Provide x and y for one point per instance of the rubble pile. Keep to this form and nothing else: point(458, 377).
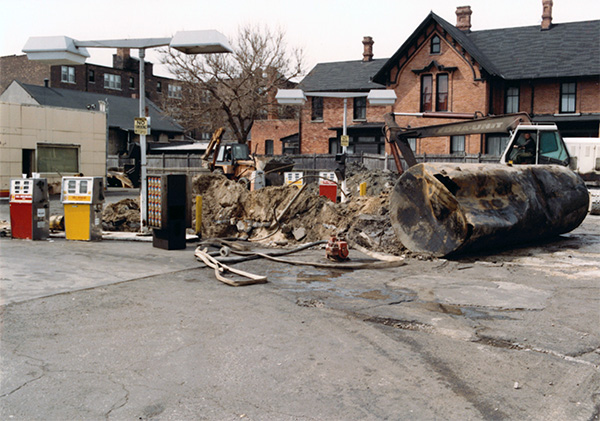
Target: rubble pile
point(378, 181)
point(229, 210)
point(283, 215)
point(122, 216)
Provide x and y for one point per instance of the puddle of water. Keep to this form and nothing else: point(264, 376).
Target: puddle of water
point(372, 295)
point(326, 276)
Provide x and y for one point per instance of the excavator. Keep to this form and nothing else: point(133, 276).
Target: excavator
point(445, 209)
point(234, 160)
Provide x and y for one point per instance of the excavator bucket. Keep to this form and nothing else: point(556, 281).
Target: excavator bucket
point(444, 209)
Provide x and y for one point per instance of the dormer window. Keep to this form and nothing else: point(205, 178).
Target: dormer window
point(435, 46)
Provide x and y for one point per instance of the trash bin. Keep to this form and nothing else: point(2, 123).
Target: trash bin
point(82, 199)
point(29, 208)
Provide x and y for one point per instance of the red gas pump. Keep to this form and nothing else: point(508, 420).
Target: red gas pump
point(29, 208)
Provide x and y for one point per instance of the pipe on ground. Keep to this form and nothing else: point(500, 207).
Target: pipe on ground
point(444, 209)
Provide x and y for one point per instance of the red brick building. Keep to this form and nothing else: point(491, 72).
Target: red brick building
point(551, 71)
point(120, 80)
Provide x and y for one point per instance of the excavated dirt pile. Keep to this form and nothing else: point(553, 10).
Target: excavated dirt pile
point(229, 210)
point(122, 216)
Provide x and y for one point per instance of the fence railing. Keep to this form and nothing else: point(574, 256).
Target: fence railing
point(191, 163)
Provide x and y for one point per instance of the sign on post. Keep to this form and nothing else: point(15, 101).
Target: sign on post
point(140, 125)
point(345, 141)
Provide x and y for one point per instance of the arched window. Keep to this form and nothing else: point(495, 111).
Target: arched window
point(435, 46)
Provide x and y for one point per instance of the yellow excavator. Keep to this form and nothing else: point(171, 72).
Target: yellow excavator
point(235, 162)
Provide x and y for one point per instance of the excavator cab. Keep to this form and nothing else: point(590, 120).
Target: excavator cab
point(536, 145)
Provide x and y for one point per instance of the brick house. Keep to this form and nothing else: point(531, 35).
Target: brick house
point(122, 79)
point(550, 71)
point(319, 126)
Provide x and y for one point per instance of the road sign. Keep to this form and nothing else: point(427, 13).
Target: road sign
point(345, 141)
point(140, 126)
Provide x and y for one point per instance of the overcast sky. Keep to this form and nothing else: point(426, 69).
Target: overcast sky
point(327, 30)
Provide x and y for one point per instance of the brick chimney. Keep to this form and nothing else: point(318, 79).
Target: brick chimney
point(546, 14)
point(463, 18)
point(122, 58)
point(368, 48)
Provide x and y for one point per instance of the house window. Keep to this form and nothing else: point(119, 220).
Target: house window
point(457, 145)
point(67, 74)
point(91, 76)
point(412, 142)
point(316, 108)
point(360, 108)
point(269, 147)
point(441, 101)
point(366, 144)
point(426, 92)
point(511, 103)
point(112, 81)
point(158, 86)
point(57, 159)
point(131, 83)
point(567, 97)
point(435, 45)
point(290, 145)
point(334, 146)
point(174, 91)
point(495, 145)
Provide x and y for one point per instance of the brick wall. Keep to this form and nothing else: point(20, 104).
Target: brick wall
point(466, 94)
point(34, 73)
point(23, 70)
point(273, 130)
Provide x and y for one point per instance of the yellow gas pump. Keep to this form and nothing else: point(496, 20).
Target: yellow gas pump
point(82, 199)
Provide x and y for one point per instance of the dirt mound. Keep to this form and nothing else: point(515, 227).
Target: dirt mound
point(378, 181)
point(122, 216)
point(283, 215)
point(229, 210)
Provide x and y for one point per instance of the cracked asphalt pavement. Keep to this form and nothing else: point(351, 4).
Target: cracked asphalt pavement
point(120, 331)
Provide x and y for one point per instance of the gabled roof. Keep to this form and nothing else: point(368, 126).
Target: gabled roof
point(564, 50)
point(121, 110)
point(342, 76)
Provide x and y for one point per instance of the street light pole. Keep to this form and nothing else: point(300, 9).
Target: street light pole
point(344, 149)
point(61, 50)
point(143, 160)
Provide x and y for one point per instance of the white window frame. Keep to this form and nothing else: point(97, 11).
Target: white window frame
point(112, 81)
point(67, 74)
point(174, 91)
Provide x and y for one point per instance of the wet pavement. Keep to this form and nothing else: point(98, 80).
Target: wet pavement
point(122, 330)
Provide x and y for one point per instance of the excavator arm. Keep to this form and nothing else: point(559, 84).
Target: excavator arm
point(398, 136)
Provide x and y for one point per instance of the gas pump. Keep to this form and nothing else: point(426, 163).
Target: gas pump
point(29, 208)
point(168, 211)
point(82, 198)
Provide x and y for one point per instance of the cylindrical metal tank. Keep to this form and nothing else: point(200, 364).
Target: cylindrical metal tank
point(442, 208)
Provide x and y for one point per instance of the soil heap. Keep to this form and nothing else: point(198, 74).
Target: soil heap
point(229, 210)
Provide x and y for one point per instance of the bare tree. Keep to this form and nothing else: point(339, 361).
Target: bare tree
point(233, 90)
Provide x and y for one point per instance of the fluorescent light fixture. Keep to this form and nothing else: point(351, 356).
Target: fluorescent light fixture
point(200, 42)
point(381, 97)
point(58, 50)
point(290, 97)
